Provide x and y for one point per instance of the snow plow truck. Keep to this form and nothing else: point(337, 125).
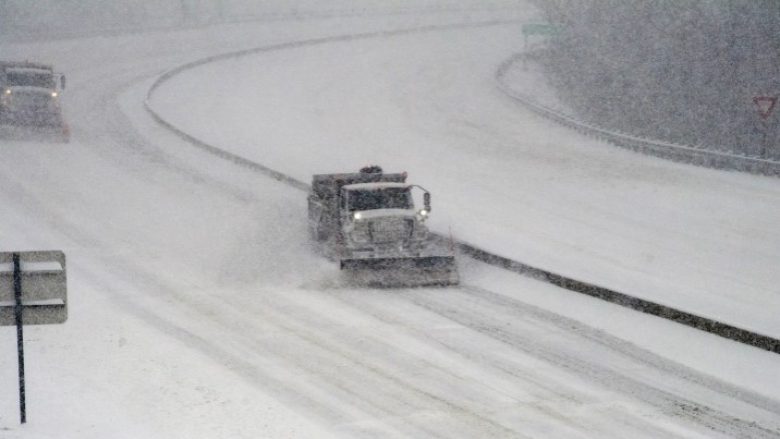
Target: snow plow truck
point(30, 102)
point(367, 220)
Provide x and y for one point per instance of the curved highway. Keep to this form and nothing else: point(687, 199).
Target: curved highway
point(198, 308)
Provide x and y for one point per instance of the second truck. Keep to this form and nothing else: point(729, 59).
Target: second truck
point(30, 102)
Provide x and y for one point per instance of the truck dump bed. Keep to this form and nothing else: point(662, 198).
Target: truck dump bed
point(326, 186)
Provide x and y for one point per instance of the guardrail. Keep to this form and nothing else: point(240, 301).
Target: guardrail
point(667, 150)
point(702, 323)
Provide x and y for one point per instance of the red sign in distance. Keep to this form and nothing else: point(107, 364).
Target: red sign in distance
point(765, 104)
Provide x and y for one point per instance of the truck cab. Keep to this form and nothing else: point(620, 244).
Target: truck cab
point(382, 213)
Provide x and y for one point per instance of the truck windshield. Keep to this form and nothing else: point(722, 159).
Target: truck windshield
point(30, 79)
point(388, 198)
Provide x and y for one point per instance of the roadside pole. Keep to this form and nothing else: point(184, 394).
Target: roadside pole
point(764, 146)
point(19, 333)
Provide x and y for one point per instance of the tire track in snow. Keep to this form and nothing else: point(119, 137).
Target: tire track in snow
point(669, 401)
point(475, 359)
point(519, 325)
point(335, 354)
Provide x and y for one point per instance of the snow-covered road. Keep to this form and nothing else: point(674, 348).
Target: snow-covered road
point(691, 238)
point(199, 310)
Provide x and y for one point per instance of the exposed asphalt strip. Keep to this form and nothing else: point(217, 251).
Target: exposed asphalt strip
point(702, 323)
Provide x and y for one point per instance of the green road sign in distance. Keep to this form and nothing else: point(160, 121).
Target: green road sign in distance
point(544, 29)
point(44, 288)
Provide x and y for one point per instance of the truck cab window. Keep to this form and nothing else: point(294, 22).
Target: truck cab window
point(28, 79)
point(392, 198)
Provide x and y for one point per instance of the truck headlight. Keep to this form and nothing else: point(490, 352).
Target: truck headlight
point(8, 91)
point(357, 216)
point(54, 94)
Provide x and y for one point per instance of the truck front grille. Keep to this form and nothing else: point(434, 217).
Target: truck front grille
point(385, 230)
point(31, 101)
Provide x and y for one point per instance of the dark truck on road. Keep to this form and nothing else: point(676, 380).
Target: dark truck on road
point(369, 222)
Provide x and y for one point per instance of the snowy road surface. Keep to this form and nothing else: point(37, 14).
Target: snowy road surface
point(427, 103)
point(199, 310)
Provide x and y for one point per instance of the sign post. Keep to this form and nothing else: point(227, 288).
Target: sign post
point(18, 309)
point(33, 291)
point(766, 105)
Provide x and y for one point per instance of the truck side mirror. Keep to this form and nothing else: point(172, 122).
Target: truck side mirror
point(427, 201)
point(62, 82)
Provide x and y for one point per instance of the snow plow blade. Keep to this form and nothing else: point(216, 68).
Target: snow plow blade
point(403, 271)
point(29, 133)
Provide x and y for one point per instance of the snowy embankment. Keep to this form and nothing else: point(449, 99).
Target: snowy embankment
point(520, 78)
point(695, 239)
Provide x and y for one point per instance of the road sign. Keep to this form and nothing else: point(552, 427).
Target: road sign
point(43, 285)
point(765, 104)
point(33, 290)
